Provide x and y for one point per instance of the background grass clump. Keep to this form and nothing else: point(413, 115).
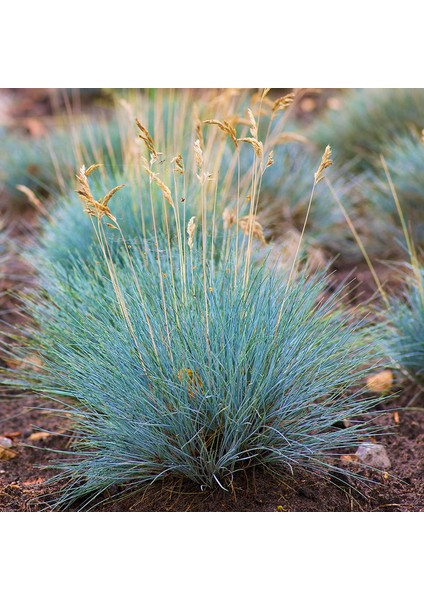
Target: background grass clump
point(404, 162)
point(404, 337)
point(366, 123)
point(279, 171)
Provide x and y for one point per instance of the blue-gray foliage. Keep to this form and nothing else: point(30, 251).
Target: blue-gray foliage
point(197, 388)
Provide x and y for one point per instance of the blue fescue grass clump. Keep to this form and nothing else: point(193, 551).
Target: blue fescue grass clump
point(23, 161)
point(404, 336)
point(188, 368)
point(404, 159)
point(367, 121)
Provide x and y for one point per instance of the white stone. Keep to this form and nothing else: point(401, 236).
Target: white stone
point(374, 455)
point(5, 442)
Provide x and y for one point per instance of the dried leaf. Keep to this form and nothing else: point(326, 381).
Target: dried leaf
point(35, 481)
point(349, 458)
point(39, 435)
point(12, 434)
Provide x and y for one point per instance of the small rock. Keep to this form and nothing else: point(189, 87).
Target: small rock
point(5, 442)
point(380, 382)
point(374, 455)
point(6, 453)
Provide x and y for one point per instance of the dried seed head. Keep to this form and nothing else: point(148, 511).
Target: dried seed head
point(32, 198)
point(290, 136)
point(198, 153)
point(191, 228)
point(91, 169)
point(112, 193)
point(198, 126)
point(252, 123)
point(164, 188)
point(147, 139)
point(260, 99)
point(257, 146)
point(250, 226)
point(283, 102)
point(179, 164)
point(270, 160)
point(226, 127)
point(229, 217)
point(93, 207)
point(325, 163)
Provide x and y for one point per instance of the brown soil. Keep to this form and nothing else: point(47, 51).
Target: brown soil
point(23, 484)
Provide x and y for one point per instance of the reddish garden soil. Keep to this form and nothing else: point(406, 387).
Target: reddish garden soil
point(23, 484)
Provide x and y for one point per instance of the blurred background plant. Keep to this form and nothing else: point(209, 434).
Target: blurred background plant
point(365, 122)
point(401, 173)
point(404, 336)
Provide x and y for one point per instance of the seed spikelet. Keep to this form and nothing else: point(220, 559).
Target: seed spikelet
point(325, 163)
point(191, 228)
point(250, 226)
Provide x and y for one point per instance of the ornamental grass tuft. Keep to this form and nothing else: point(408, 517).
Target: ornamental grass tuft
point(183, 361)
